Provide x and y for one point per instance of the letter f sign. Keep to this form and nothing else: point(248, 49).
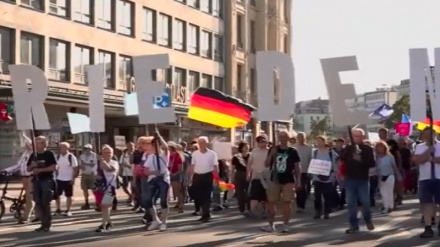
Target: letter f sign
point(422, 80)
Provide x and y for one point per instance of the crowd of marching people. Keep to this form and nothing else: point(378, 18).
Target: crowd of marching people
point(266, 177)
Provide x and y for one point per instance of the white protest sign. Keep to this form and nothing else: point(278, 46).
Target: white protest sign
point(339, 93)
point(266, 63)
point(120, 142)
point(373, 137)
point(95, 78)
point(320, 167)
point(29, 104)
point(79, 123)
point(223, 150)
point(422, 79)
point(149, 89)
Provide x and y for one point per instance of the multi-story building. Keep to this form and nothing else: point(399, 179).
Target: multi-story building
point(251, 26)
point(402, 89)
point(60, 37)
point(308, 113)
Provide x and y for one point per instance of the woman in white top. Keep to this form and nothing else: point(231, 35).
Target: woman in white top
point(109, 170)
point(26, 180)
point(158, 177)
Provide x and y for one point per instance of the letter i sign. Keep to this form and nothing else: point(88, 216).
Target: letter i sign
point(4, 113)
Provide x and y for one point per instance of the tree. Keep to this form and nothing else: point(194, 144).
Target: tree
point(402, 106)
point(319, 127)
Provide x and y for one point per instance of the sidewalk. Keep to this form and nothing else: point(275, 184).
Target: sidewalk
point(78, 198)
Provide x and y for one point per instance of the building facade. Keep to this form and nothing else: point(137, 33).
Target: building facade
point(309, 113)
point(61, 37)
point(251, 26)
point(403, 88)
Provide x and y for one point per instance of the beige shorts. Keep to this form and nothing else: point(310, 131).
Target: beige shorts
point(87, 182)
point(280, 192)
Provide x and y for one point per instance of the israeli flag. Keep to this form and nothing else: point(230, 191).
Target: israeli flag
point(383, 111)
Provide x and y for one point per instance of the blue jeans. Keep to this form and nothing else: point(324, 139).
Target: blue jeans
point(357, 190)
point(157, 188)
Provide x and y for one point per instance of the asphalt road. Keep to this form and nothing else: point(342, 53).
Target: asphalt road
point(228, 229)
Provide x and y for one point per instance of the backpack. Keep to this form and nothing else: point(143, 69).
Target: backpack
point(330, 154)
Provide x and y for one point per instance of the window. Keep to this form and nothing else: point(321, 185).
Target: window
point(179, 31)
point(218, 48)
point(125, 17)
point(164, 30)
point(179, 77)
point(149, 27)
point(217, 8)
point(286, 44)
point(125, 71)
point(32, 49)
point(58, 57)
point(82, 11)
point(35, 4)
point(59, 7)
point(193, 39)
point(205, 6)
point(81, 56)
point(167, 75)
point(107, 59)
point(252, 36)
point(218, 84)
point(206, 81)
point(286, 11)
point(193, 81)
point(180, 1)
point(193, 3)
point(239, 31)
point(6, 49)
point(239, 78)
point(253, 3)
point(206, 44)
point(253, 82)
point(104, 14)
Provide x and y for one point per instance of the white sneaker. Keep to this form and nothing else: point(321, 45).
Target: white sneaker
point(163, 227)
point(285, 228)
point(154, 226)
point(269, 228)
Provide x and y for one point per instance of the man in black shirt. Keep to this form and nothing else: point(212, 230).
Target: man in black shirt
point(358, 159)
point(283, 162)
point(43, 166)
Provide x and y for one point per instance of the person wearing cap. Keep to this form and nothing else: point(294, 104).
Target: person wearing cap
point(26, 179)
point(88, 166)
point(256, 174)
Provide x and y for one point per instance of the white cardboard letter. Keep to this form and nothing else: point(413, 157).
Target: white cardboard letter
point(146, 88)
point(339, 93)
point(266, 62)
point(29, 104)
point(95, 78)
point(421, 78)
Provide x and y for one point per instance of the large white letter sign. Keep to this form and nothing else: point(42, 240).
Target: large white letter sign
point(420, 76)
point(95, 78)
point(338, 93)
point(266, 63)
point(146, 88)
point(29, 104)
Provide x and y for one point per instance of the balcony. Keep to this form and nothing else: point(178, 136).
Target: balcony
point(56, 74)
point(240, 6)
point(4, 69)
point(239, 52)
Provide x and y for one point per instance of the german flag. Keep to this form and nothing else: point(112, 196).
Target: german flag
point(216, 108)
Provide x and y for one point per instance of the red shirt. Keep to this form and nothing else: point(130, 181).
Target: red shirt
point(175, 164)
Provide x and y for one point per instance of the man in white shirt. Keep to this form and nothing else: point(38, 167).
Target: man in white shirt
point(427, 157)
point(66, 174)
point(204, 164)
point(88, 165)
point(305, 155)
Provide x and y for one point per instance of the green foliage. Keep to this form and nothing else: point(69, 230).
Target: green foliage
point(319, 127)
point(402, 106)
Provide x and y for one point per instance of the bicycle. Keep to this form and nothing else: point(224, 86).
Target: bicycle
point(18, 204)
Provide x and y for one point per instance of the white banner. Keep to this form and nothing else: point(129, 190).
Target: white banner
point(320, 167)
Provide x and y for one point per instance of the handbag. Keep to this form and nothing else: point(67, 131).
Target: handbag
point(108, 198)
